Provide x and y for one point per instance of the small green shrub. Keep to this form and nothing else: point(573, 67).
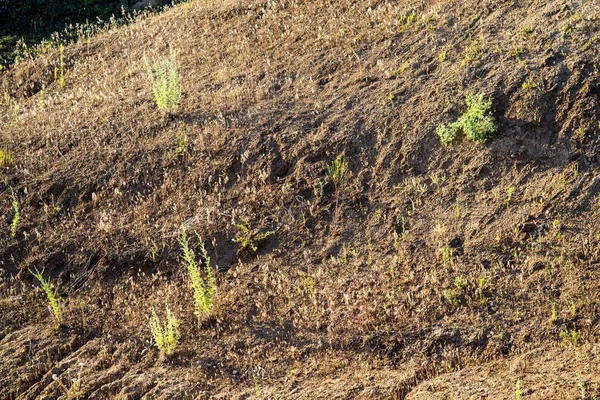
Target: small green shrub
point(51, 294)
point(205, 288)
point(165, 336)
point(17, 214)
point(249, 240)
point(337, 170)
point(447, 133)
point(477, 123)
point(164, 77)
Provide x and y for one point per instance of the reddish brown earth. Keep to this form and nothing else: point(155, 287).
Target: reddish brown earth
point(350, 297)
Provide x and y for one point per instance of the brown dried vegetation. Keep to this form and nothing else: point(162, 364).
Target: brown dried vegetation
point(349, 297)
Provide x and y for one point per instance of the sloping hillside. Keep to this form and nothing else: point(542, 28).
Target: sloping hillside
point(355, 256)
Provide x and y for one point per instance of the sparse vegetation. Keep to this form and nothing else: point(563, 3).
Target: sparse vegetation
point(204, 287)
point(553, 316)
point(443, 55)
point(51, 294)
point(14, 225)
point(6, 159)
point(181, 144)
point(477, 123)
point(352, 251)
point(454, 294)
point(165, 335)
point(164, 78)
point(568, 337)
point(518, 394)
point(59, 71)
point(337, 170)
point(249, 239)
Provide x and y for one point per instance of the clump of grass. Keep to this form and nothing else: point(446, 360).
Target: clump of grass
point(477, 123)
point(14, 225)
point(248, 240)
point(205, 288)
point(165, 336)
point(51, 294)
point(164, 77)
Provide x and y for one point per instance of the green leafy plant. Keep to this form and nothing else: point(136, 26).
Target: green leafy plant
point(181, 145)
point(443, 55)
point(249, 240)
point(518, 389)
point(14, 225)
point(51, 294)
point(568, 337)
point(205, 288)
point(164, 77)
point(477, 123)
point(165, 336)
point(446, 133)
point(337, 170)
point(454, 295)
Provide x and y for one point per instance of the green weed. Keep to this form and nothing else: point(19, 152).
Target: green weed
point(443, 55)
point(526, 31)
point(337, 170)
point(529, 84)
point(454, 294)
point(6, 159)
point(477, 123)
point(51, 294)
point(205, 288)
point(518, 389)
point(406, 21)
point(474, 52)
point(17, 214)
point(248, 240)
point(580, 133)
point(164, 77)
point(568, 337)
point(181, 145)
point(165, 336)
